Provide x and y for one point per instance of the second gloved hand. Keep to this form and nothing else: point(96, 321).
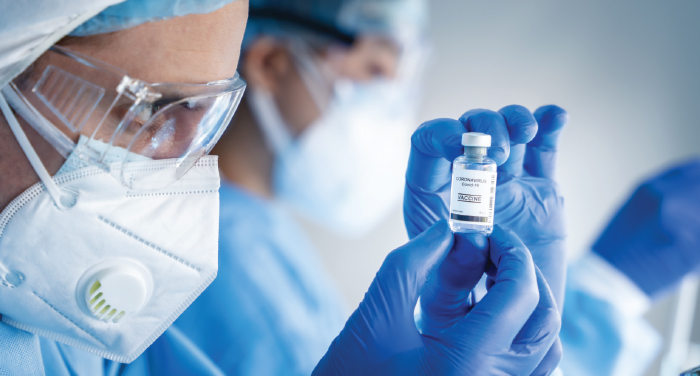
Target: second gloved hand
point(527, 197)
point(508, 332)
point(655, 238)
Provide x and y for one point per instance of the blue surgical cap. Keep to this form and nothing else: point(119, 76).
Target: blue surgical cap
point(134, 12)
point(29, 27)
point(338, 19)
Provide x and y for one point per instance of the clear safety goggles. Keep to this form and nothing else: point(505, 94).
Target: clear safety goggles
point(70, 94)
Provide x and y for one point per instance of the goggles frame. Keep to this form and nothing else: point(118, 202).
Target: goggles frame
point(79, 95)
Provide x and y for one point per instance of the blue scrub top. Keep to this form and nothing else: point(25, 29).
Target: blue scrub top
point(272, 309)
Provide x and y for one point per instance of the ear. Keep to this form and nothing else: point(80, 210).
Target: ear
point(266, 63)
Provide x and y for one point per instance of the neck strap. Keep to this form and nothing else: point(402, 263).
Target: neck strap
point(62, 200)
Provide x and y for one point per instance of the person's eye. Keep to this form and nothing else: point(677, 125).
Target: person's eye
point(158, 105)
point(190, 105)
point(193, 105)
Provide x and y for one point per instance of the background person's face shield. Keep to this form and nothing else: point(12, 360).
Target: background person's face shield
point(68, 95)
point(328, 69)
point(363, 114)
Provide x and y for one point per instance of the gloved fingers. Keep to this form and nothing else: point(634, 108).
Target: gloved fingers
point(434, 145)
point(522, 128)
point(687, 171)
point(542, 328)
point(384, 318)
point(541, 152)
point(445, 298)
point(509, 303)
point(406, 270)
point(423, 208)
point(489, 283)
point(550, 361)
point(681, 182)
point(494, 124)
point(551, 259)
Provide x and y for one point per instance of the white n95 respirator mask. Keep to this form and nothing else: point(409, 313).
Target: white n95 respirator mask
point(91, 263)
point(105, 255)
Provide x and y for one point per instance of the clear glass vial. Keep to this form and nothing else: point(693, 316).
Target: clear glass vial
point(473, 195)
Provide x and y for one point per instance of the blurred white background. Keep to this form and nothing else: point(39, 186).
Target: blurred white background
point(627, 72)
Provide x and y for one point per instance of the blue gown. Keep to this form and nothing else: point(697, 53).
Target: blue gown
point(603, 328)
point(271, 310)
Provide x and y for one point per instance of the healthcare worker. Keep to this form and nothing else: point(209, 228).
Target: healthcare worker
point(330, 105)
point(103, 256)
point(109, 210)
point(323, 130)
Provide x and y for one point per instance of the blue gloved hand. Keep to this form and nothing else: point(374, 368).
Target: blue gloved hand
point(444, 300)
point(655, 238)
point(515, 317)
point(527, 198)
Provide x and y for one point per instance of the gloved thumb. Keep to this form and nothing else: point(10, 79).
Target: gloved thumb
point(408, 268)
point(445, 298)
point(384, 319)
point(382, 327)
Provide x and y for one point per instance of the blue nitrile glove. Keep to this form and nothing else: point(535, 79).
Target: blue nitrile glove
point(514, 317)
point(444, 300)
point(527, 198)
point(655, 238)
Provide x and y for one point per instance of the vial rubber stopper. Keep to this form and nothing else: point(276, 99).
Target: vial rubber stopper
point(476, 139)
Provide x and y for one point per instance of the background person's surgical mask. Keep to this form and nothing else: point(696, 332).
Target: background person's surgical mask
point(346, 171)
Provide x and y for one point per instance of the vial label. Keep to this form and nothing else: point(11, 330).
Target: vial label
point(473, 196)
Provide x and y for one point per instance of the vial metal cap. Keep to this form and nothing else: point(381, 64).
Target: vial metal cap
point(476, 139)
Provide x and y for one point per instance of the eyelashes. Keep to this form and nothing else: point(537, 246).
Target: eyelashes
point(192, 105)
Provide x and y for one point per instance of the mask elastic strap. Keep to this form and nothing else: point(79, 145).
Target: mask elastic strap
point(265, 109)
point(269, 119)
point(311, 74)
point(20, 104)
point(61, 200)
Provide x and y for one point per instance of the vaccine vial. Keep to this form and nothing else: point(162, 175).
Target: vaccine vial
point(473, 193)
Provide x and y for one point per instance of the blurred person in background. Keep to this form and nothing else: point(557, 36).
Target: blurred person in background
point(323, 130)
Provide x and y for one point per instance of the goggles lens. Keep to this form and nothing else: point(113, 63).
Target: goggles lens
point(177, 122)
